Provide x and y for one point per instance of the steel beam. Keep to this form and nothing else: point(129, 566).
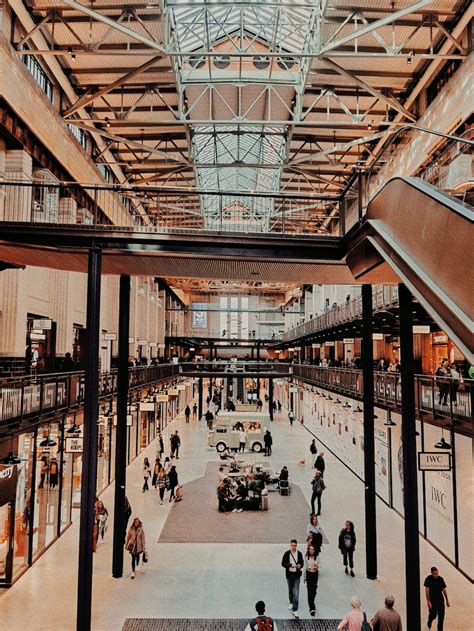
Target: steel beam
point(410, 473)
point(89, 456)
point(121, 429)
point(369, 439)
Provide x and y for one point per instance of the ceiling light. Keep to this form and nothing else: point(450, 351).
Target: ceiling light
point(442, 444)
point(411, 54)
point(107, 122)
point(11, 459)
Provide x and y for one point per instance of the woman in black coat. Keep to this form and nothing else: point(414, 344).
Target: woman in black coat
point(347, 544)
point(173, 481)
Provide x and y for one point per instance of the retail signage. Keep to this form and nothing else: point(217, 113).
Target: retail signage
point(147, 407)
point(42, 324)
point(348, 340)
point(440, 339)
point(434, 461)
point(142, 342)
point(8, 475)
point(421, 328)
point(162, 398)
point(74, 445)
point(37, 332)
point(129, 420)
point(153, 344)
point(131, 340)
point(173, 391)
point(181, 387)
point(109, 337)
point(329, 343)
point(38, 336)
point(293, 389)
point(377, 336)
point(316, 345)
point(162, 346)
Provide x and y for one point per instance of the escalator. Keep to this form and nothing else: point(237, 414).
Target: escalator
point(426, 238)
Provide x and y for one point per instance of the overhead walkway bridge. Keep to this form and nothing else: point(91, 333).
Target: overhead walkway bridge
point(412, 233)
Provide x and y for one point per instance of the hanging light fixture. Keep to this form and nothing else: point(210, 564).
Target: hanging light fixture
point(442, 444)
point(347, 405)
point(11, 458)
point(388, 421)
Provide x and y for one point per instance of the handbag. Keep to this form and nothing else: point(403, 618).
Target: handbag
point(145, 556)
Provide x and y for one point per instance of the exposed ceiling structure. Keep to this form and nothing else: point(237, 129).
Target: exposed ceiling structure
point(235, 99)
point(234, 287)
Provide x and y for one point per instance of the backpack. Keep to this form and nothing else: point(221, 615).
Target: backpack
point(262, 623)
point(365, 625)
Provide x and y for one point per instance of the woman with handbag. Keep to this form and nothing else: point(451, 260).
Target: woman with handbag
point(135, 543)
point(102, 515)
point(162, 481)
point(172, 481)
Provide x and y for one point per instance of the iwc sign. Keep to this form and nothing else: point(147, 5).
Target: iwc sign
point(434, 461)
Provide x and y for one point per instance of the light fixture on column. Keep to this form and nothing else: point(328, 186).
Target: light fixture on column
point(358, 409)
point(74, 429)
point(338, 400)
point(347, 405)
point(389, 422)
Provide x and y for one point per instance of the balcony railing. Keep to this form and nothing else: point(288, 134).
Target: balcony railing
point(220, 334)
point(24, 398)
point(387, 389)
point(384, 297)
point(237, 367)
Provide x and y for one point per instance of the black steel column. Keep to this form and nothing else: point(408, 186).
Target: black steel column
point(270, 397)
point(121, 428)
point(200, 388)
point(369, 441)
point(89, 456)
point(410, 480)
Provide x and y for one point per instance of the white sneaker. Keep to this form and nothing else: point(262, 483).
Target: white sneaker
point(240, 510)
point(296, 614)
point(290, 607)
point(132, 575)
point(235, 510)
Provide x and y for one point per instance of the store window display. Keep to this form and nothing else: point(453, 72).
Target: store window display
point(23, 502)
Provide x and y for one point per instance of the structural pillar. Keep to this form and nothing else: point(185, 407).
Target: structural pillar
point(121, 429)
point(410, 479)
point(369, 440)
point(270, 398)
point(89, 456)
point(200, 389)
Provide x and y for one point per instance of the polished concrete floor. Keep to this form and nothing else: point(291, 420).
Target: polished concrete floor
point(224, 580)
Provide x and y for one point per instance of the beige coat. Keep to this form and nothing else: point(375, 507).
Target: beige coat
point(135, 541)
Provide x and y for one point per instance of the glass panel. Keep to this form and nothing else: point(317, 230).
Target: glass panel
point(47, 496)
point(22, 503)
point(4, 539)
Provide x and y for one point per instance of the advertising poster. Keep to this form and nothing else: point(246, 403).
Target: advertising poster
point(465, 502)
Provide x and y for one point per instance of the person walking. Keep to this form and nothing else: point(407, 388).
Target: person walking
point(436, 593)
point(261, 622)
point(279, 405)
point(156, 470)
point(43, 471)
point(161, 446)
point(146, 474)
point(268, 442)
point(318, 488)
point(347, 544)
point(242, 440)
point(53, 473)
point(135, 543)
point(313, 449)
point(319, 464)
point(291, 416)
point(354, 620)
point(456, 381)
point(442, 377)
point(314, 535)
point(387, 619)
point(172, 481)
point(187, 413)
point(293, 563)
point(175, 442)
point(102, 515)
point(311, 576)
point(195, 411)
point(161, 483)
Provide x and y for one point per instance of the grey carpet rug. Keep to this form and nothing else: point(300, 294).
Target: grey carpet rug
point(148, 624)
point(197, 520)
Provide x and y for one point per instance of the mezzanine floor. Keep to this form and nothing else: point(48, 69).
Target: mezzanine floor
point(212, 580)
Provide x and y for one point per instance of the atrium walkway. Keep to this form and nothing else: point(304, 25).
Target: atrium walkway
point(209, 581)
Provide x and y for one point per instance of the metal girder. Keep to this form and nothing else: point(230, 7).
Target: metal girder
point(373, 26)
point(151, 43)
point(83, 101)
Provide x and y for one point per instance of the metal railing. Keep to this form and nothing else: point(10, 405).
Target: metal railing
point(238, 367)
point(387, 389)
point(384, 297)
point(218, 334)
point(23, 398)
point(160, 209)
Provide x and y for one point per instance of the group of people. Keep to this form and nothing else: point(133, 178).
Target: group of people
point(164, 476)
point(449, 379)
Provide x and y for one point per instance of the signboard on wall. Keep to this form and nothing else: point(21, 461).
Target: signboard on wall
point(8, 475)
point(173, 391)
point(162, 398)
point(181, 387)
point(421, 328)
point(348, 340)
point(109, 337)
point(434, 461)
point(42, 324)
point(129, 420)
point(74, 445)
point(328, 343)
point(147, 407)
point(377, 336)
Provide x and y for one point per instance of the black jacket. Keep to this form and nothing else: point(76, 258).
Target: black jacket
point(173, 478)
point(287, 561)
point(320, 465)
point(342, 546)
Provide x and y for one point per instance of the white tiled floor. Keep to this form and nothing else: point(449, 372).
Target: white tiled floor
point(225, 580)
